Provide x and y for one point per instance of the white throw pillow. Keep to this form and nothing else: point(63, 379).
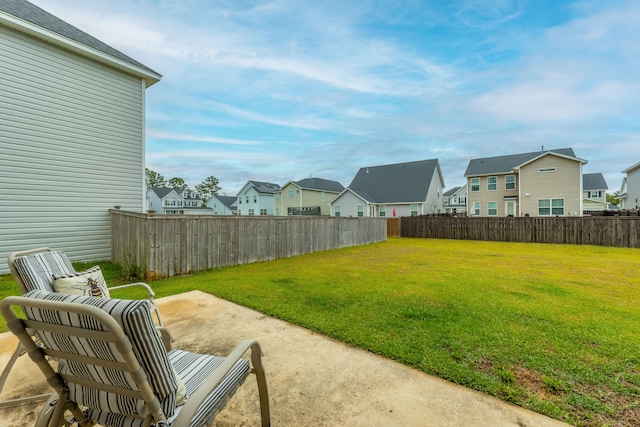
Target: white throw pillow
point(90, 283)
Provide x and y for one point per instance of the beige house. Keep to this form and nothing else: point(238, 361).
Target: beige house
point(310, 196)
point(543, 183)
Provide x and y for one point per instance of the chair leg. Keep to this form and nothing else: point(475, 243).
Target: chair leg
point(263, 392)
point(58, 411)
point(5, 374)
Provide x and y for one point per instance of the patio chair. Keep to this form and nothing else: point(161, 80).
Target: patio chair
point(113, 370)
point(35, 269)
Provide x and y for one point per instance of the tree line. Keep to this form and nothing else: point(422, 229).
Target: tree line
point(206, 189)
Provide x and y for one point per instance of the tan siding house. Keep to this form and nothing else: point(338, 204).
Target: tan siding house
point(72, 114)
point(309, 196)
point(544, 183)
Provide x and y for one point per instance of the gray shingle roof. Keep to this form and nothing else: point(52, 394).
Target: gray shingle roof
point(505, 164)
point(320, 184)
point(160, 191)
point(594, 181)
point(451, 192)
point(31, 13)
point(396, 183)
point(228, 201)
point(265, 187)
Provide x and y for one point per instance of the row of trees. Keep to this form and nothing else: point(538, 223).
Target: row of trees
point(206, 190)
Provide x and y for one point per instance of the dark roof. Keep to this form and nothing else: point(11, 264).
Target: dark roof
point(265, 187)
point(505, 164)
point(164, 191)
point(161, 191)
point(228, 201)
point(29, 12)
point(594, 181)
point(396, 183)
point(451, 192)
point(320, 184)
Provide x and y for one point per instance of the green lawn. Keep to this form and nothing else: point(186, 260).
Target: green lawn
point(552, 328)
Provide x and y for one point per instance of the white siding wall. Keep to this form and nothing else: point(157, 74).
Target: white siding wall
point(633, 189)
point(71, 147)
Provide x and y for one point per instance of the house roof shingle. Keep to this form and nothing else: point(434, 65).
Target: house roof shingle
point(265, 187)
point(228, 201)
point(395, 183)
point(31, 13)
point(451, 192)
point(594, 181)
point(320, 184)
point(506, 164)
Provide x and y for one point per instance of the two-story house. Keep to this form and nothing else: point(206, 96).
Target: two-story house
point(541, 183)
point(175, 201)
point(629, 194)
point(594, 192)
point(401, 189)
point(223, 205)
point(257, 198)
point(309, 196)
point(455, 200)
point(71, 134)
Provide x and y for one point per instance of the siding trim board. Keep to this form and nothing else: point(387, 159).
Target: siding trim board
point(24, 26)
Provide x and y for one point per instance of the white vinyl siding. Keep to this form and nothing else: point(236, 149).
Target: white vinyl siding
point(71, 148)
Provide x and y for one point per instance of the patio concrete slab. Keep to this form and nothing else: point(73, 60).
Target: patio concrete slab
point(313, 380)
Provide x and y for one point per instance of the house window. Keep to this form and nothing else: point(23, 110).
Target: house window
point(492, 183)
point(322, 196)
point(414, 210)
point(546, 170)
point(251, 212)
point(290, 194)
point(475, 184)
point(360, 210)
point(255, 198)
point(383, 210)
point(336, 211)
point(476, 208)
point(510, 182)
point(169, 202)
point(547, 207)
point(595, 194)
point(263, 211)
point(492, 208)
point(247, 199)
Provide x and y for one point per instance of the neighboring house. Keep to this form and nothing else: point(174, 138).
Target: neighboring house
point(223, 205)
point(629, 194)
point(594, 192)
point(455, 200)
point(175, 201)
point(257, 198)
point(309, 196)
point(72, 135)
point(542, 183)
point(401, 189)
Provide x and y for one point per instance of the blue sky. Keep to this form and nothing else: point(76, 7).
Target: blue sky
point(282, 90)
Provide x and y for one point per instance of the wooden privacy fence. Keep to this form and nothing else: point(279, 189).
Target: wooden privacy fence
point(602, 231)
point(158, 246)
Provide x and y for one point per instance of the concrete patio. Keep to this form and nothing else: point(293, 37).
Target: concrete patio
point(313, 380)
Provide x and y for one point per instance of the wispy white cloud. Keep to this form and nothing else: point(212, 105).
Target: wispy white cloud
point(284, 88)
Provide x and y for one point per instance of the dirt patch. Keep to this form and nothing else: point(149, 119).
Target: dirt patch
point(531, 382)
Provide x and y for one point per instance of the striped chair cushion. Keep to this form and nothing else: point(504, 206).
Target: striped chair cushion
point(193, 369)
point(37, 270)
point(135, 319)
